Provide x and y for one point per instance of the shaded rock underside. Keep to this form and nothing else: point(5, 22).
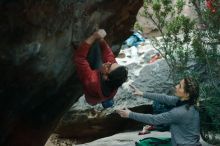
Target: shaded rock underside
point(38, 80)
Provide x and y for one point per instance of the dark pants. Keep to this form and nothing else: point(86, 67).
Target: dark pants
point(95, 56)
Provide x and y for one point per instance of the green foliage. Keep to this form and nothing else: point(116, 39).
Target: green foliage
point(209, 115)
point(137, 27)
point(179, 6)
point(156, 5)
point(206, 44)
point(206, 47)
point(183, 43)
point(175, 29)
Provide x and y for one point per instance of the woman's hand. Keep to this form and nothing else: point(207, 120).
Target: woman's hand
point(124, 113)
point(136, 91)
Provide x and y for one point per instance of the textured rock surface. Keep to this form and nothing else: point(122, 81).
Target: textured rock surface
point(88, 125)
point(128, 139)
point(38, 82)
point(120, 139)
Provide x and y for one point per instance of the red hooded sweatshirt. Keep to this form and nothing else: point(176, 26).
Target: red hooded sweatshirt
point(91, 78)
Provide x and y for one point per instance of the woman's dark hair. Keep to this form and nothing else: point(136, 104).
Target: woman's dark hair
point(117, 77)
point(192, 88)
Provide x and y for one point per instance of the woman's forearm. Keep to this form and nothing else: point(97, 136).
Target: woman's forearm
point(163, 98)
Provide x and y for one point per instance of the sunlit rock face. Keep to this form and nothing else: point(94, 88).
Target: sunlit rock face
point(38, 80)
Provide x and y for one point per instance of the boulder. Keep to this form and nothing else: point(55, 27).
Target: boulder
point(38, 79)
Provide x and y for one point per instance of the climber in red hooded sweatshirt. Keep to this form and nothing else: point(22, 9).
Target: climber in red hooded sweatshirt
point(98, 70)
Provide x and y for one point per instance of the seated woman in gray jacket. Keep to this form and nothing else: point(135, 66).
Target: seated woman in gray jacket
point(183, 118)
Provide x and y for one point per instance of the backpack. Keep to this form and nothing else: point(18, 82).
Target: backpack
point(153, 141)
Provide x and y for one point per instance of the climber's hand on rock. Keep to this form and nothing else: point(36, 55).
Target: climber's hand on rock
point(99, 34)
